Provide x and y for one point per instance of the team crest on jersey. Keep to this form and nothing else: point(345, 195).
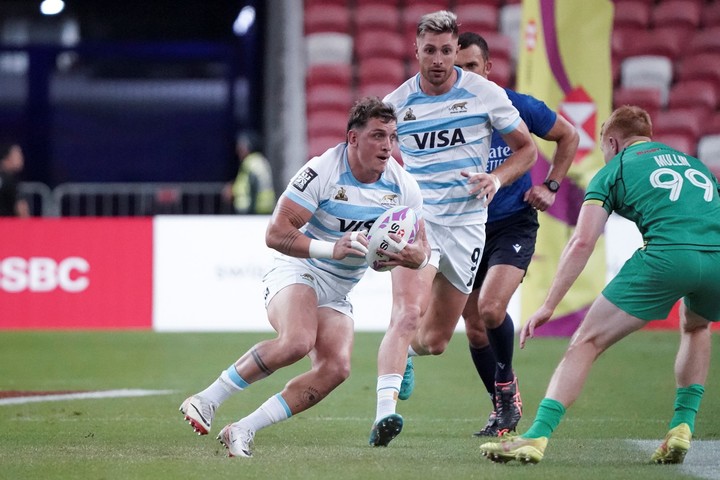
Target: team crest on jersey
point(409, 115)
point(304, 178)
point(341, 194)
point(459, 107)
point(390, 200)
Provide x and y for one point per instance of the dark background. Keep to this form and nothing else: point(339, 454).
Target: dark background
point(153, 91)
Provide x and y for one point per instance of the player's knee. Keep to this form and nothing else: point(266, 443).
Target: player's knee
point(335, 371)
point(491, 314)
point(297, 348)
point(476, 334)
point(436, 344)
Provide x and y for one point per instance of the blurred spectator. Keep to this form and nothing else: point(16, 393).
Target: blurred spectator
point(252, 191)
point(11, 164)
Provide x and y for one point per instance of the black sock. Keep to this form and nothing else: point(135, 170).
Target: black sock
point(484, 360)
point(502, 340)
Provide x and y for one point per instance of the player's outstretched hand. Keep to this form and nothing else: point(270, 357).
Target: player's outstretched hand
point(539, 197)
point(540, 317)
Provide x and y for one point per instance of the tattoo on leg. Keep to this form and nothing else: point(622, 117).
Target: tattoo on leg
point(258, 361)
point(310, 397)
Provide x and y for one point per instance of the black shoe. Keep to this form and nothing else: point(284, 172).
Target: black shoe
point(491, 429)
point(508, 406)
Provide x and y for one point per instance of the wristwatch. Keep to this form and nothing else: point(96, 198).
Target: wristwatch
point(552, 185)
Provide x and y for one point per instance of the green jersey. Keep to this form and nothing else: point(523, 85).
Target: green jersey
point(671, 197)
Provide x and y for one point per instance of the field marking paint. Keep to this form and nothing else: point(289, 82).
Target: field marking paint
point(123, 393)
point(701, 461)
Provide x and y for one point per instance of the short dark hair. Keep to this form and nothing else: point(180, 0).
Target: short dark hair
point(467, 39)
point(367, 108)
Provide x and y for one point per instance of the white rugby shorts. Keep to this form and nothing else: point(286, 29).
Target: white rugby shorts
point(456, 252)
point(331, 292)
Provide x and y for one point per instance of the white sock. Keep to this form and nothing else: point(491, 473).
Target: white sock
point(388, 387)
point(222, 388)
point(274, 410)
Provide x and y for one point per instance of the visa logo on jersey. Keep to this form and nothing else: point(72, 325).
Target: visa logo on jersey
point(439, 138)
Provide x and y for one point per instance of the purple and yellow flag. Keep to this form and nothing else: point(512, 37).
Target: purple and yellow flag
point(564, 60)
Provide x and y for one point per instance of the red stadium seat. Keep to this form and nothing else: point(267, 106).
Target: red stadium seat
point(711, 15)
point(705, 41)
point(632, 14)
point(502, 73)
point(712, 125)
point(500, 45)
point(322, 3)
point(376, 89)
point(410, 15)
point(664, 41)
point(327, 124)
point(329, 97)
point(381, 70)
point(683, 143)
point(337, 74)
point(478, 18)
point(379, 43)
point(703, 66)
point(693, 94)
point(318, 145)
point(678, 121)
point(677, 14)
point(649, 99)
point(326, 18)
point(376, 17)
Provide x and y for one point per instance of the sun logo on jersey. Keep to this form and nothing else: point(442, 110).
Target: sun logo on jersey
point(341, 195)
point(409, 115)
point(459, 107)
point(390, 200)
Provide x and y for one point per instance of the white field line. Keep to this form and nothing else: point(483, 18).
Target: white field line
point(83, 396)
point(701, 461)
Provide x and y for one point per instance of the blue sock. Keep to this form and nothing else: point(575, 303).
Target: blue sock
point(502, 340)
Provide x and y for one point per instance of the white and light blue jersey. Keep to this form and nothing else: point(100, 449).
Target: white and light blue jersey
point(340, 203)
point(539, 119)
point(442, 135)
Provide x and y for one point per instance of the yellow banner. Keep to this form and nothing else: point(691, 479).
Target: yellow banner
point(564, 60)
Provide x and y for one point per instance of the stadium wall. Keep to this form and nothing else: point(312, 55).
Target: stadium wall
point(173, 273)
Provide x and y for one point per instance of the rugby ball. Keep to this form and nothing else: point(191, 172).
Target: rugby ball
point(402, 221)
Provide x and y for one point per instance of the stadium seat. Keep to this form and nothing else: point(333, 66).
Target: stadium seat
point(392, 3)
point(632, 14)
point(477, 18)
point(500, 45)
point(664, 41)
point(703, 66)
point(683, 143)
point(329, 47)
point(318, 145)
point(337, 74)
point(327, 124)
point(705, 41)
point(694, 94)
point(711, 15)
point(329, 97)
point(376, 89)
point(381, 70)
point(379, 43)
point(326, 18)
point(649, 99)
point(683, 14)
point(502, 72)
point(712, 124)
point(510, 18)
point(494, 3)
point(648, 71)
point(678, 121)
point(411, 13)
point(315, 3)
point(376, 16)
point(709, 152)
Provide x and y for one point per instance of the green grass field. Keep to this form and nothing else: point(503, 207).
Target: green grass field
point(610, 432)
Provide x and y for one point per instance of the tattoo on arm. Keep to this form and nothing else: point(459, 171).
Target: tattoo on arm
point(287, 243)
